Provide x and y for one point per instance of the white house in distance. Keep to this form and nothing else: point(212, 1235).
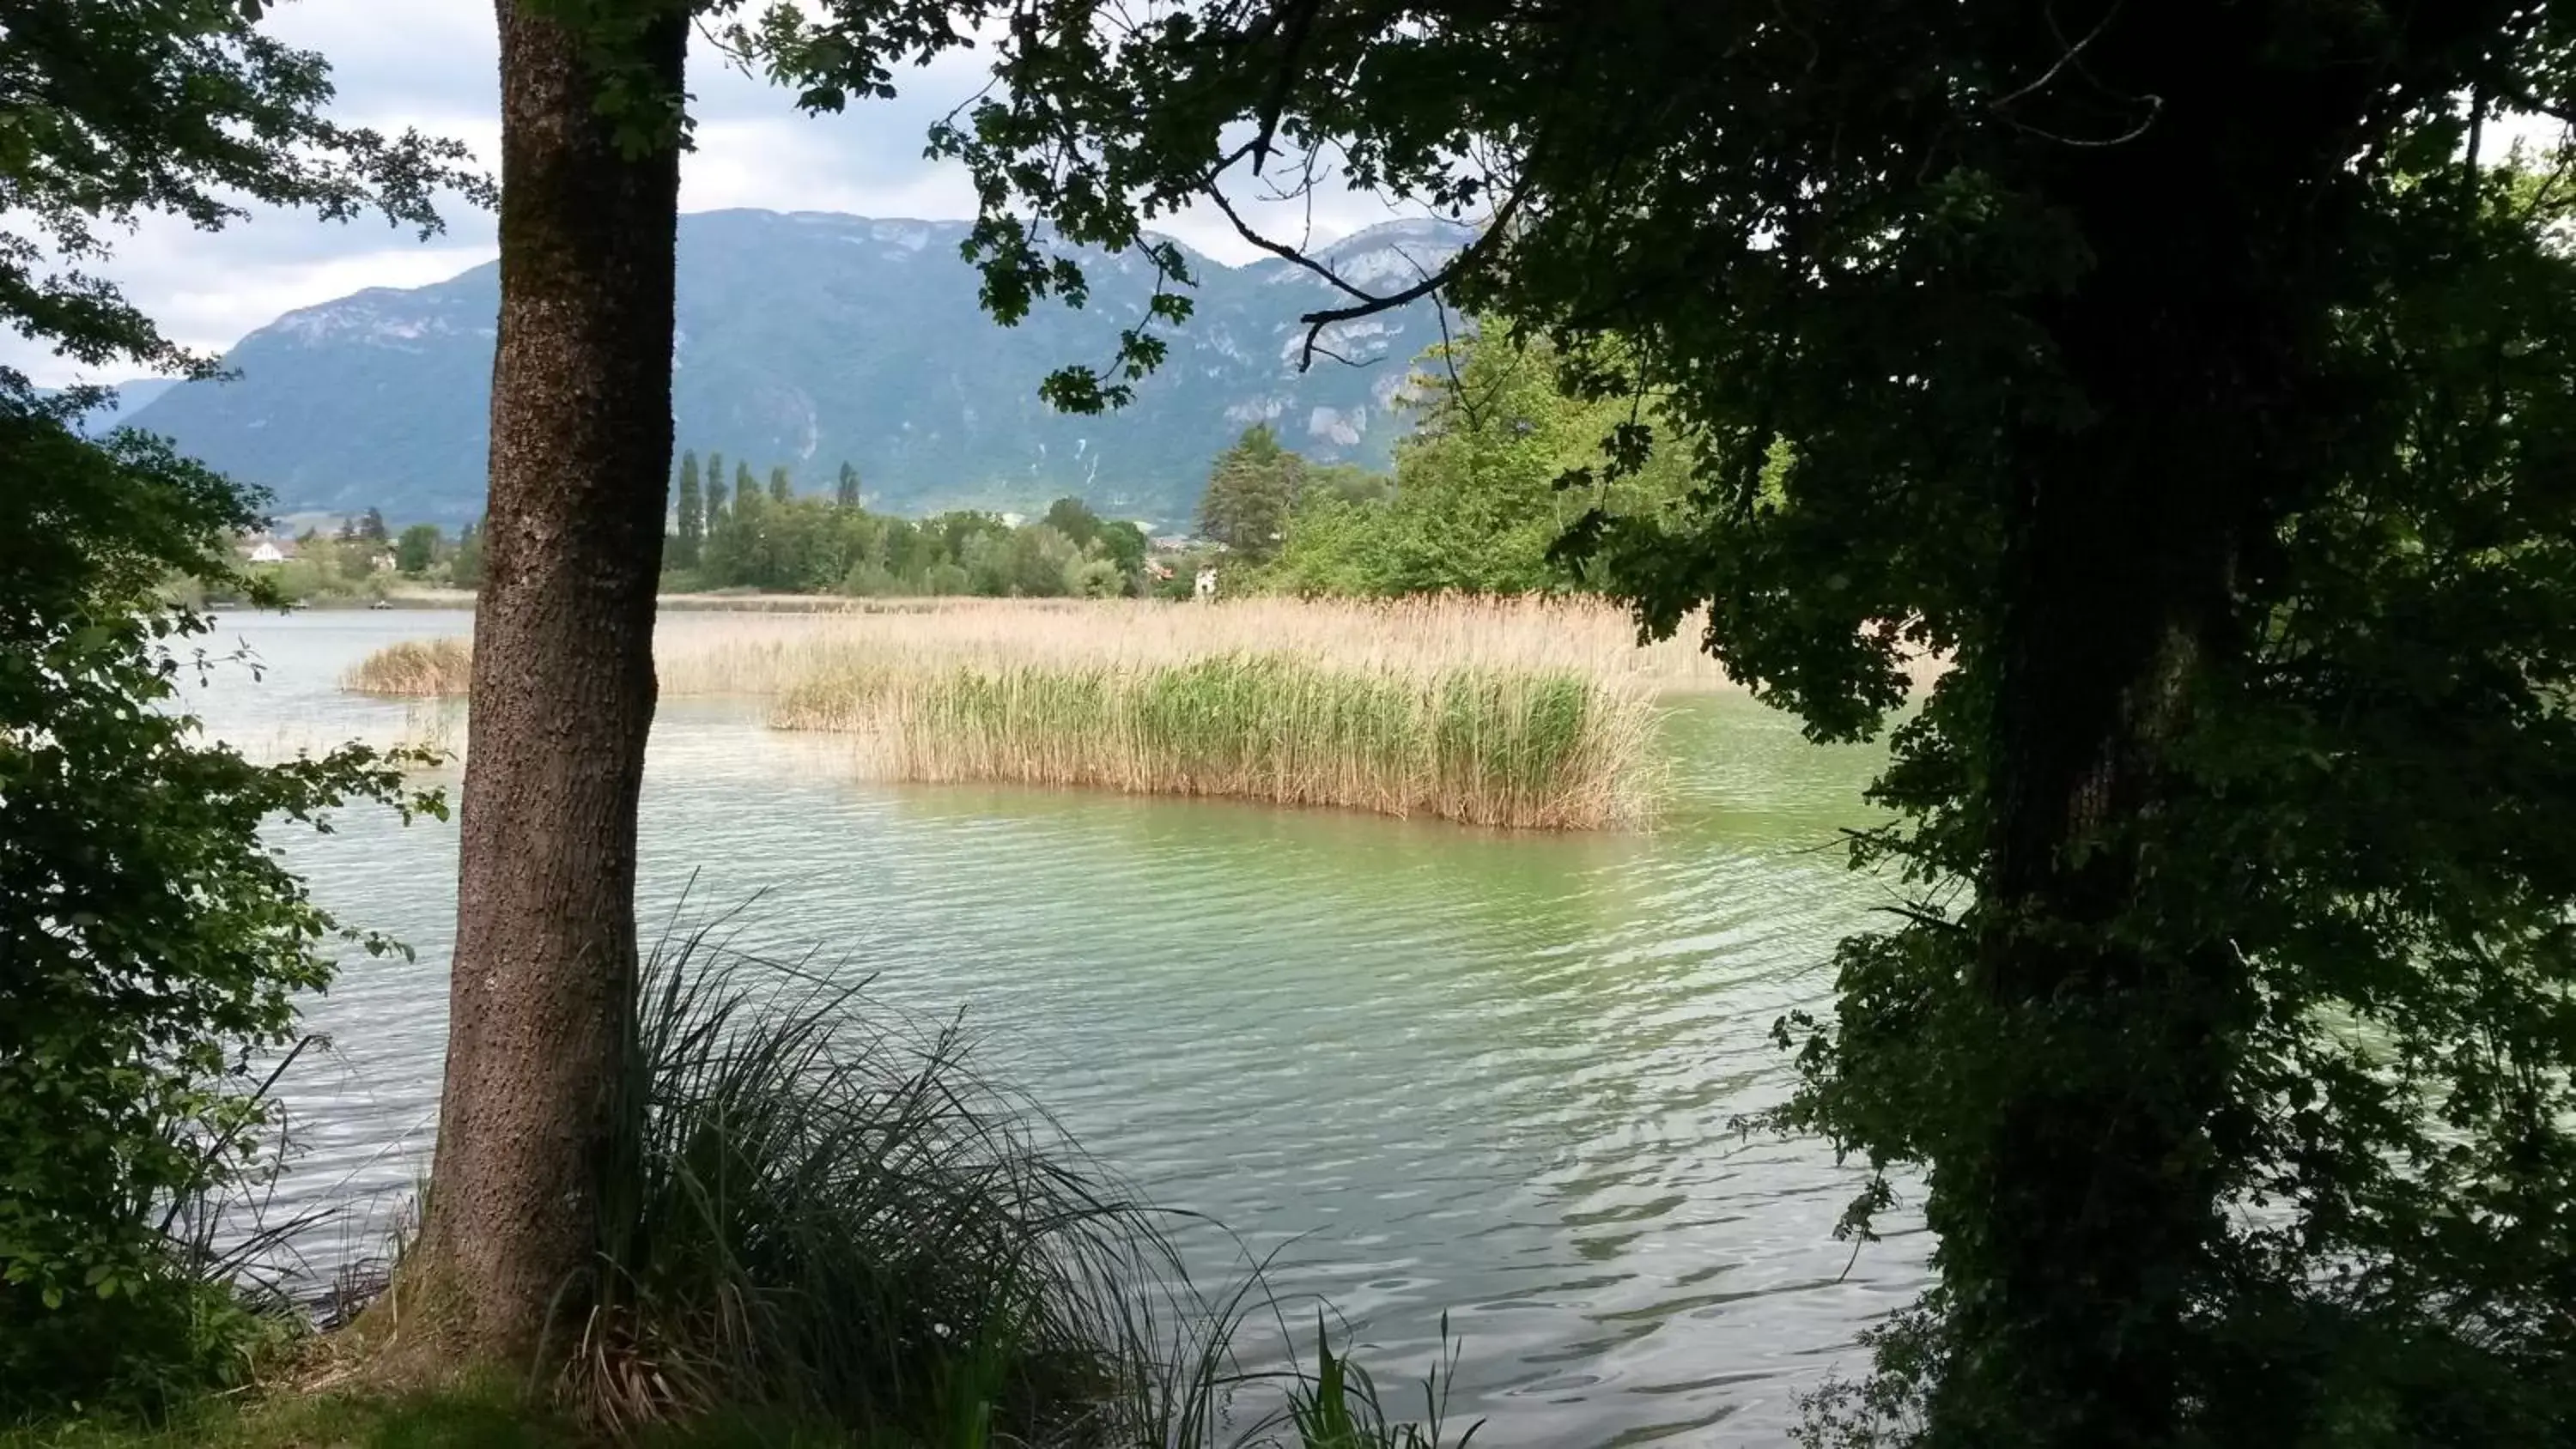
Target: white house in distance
point(269, 550)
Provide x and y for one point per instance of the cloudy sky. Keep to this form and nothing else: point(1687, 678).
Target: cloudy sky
point(433, 64)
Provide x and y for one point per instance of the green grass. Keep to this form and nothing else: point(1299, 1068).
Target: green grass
point(818, 1211)
point(1334, 1407)
point(1518, 748)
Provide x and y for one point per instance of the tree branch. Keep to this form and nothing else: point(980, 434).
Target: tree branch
point(1301, 19)
point(1468, 258)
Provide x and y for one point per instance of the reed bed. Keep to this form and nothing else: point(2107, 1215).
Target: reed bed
point(718, 653)
point(415, 668)
point(1514, 748)
point(1530, 713)
point(752, 654)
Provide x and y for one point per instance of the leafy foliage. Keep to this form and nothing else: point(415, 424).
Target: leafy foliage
point(1502, 465)
point(418, 548)
point(118, 109)
point(150, 943)
point(2185, 375)
point(792, 544)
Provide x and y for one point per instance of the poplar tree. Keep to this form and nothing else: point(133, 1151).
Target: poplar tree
point(780, 487)
point(846, 494)
point(693, 520)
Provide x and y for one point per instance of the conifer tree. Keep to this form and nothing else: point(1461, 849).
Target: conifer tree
point(1250, 492)
point(693, 522)
point(847, 494)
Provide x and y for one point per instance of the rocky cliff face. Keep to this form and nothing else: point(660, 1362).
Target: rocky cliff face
point(808, 339)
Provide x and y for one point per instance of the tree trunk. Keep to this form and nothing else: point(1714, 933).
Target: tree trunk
point(563, 688)
point(2086, 1225)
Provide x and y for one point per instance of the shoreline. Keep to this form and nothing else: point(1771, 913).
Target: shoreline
point(466, 599)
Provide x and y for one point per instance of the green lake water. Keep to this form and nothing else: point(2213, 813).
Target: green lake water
point(1431, 1069)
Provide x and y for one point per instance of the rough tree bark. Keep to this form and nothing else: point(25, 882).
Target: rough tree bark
point(563, 688)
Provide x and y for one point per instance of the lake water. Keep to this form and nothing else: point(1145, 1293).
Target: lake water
point(1433, 1069)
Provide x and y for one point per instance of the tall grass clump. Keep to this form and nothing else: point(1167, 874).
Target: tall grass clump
point(812, 1215)
point(421, 668)
point(1528, 749)
point(839, 1221)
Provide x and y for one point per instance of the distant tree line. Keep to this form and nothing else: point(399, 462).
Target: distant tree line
point(1503, 463)
point(363, 559)
point(742, 534)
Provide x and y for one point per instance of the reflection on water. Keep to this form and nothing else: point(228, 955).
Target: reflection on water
point(1430, 1068)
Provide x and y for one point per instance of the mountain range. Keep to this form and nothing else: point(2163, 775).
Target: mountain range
point(812, 338)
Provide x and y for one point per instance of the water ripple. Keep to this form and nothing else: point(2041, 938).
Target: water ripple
point(1436, 1069)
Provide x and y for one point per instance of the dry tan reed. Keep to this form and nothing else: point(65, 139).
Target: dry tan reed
point(755, 653)
point(712, 654)
point(419, 668)
point(1516, 712)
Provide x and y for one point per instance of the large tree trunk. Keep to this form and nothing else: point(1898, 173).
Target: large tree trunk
point(2088, 1221)
point(563, 687)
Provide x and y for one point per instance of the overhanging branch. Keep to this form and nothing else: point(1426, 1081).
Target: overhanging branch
point(1369, 304)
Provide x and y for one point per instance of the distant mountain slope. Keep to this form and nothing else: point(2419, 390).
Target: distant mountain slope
point(125, 400)
point(810, 338)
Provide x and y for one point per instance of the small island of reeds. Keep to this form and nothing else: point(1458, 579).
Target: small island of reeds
point(415, 669)
point(1514, 713)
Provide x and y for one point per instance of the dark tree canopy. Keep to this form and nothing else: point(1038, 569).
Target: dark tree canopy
point(2197, 378)
point(150, 942)
point(690, 533)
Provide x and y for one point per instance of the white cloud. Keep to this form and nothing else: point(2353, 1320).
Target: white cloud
point(434, 65)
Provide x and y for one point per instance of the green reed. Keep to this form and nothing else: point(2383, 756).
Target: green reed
point(1519, 748)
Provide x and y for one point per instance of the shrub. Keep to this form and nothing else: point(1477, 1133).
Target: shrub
point(150, 942)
